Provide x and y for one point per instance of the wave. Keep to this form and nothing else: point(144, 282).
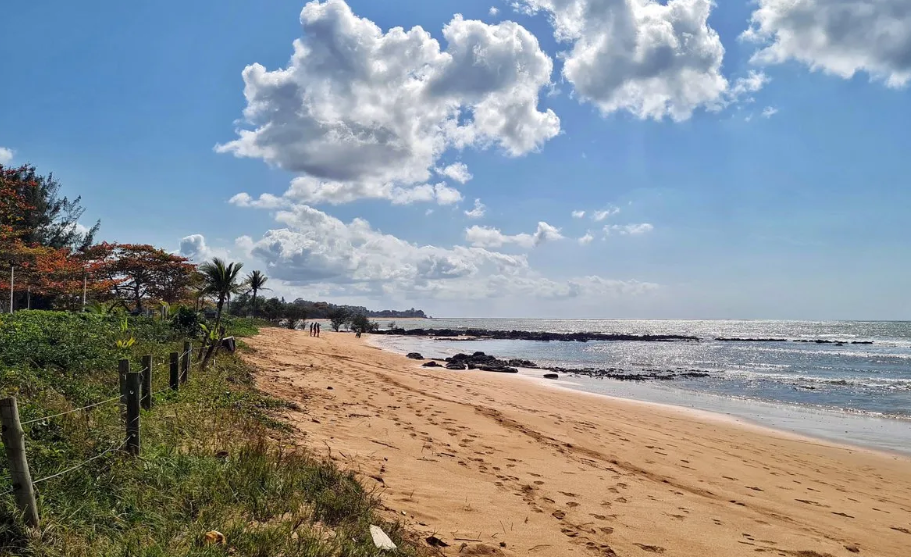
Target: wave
point(797, 379)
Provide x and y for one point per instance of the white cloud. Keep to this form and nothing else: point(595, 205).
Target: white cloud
point(599, 216)
point(6, 155)
point(478, 211)
point(769, 111)
point(654, 59)
point(628, 229)
point(578, 214)
point(457, 171)
point(744, 87)
point(489, 237)
point(317, 249)
point(587, 239)
point(493, 11)
point(194, 248)
point(360, 113)
point(840, 37)
point(306, 189)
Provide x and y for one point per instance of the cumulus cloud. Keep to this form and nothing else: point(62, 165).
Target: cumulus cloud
point(578, 214)
point(457, 171)
point(587, 239)
point(6, 155)
point(478, 211)
point(599, 216)
point(315, 248)
point(362, 113)
point(489, 237)
point(769, 111)
point(744, 87)
point(493, 11)
point(840, 37)
point(654, 59)
point(306, 189)
point(195, 248)
point(628, 229)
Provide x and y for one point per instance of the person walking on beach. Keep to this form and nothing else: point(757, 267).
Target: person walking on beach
point(317, 330)
point(311, 329)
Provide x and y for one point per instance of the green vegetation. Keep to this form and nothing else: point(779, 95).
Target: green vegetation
point(213, 455)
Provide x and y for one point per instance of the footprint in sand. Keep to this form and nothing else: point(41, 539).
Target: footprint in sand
point(572, 504)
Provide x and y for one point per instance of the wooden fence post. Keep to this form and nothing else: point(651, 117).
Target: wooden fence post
point(14, 441)
point(146, 386)
point(123, 368)
point(187, 350)
point(175, 371)
point(133, 405)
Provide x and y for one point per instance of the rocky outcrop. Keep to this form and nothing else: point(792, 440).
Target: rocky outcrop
point(479, 360)
point(533, 335)
point(431, 363)
point(414, 356)
point(551, 376)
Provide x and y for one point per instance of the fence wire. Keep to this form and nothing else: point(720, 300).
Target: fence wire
point(112, 448)
point(93, 405)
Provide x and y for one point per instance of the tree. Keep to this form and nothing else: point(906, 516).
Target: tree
point(256, 281)
point(221, 281)
point(338, 316)
point(272, 309)
point(45, 218)
point(360, 323)
point(143, 273)
point(295, 313)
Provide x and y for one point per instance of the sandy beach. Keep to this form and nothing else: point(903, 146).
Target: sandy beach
point(494, 464)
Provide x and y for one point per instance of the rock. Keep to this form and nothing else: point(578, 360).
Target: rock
point(414, 356)
point(551, 376)
point(431, 364)
point(456, 365)
point(522, 363)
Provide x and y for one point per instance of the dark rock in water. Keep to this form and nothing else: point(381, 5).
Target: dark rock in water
point(414, 356)
point(532, 335)
point(551, 376)
point(431, 364)
point(479, 360)
point(498, 369)
point(522, 363)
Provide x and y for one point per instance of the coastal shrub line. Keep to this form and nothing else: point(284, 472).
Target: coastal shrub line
point(217, 473)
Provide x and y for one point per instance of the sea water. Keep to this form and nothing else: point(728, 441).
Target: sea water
point(854, 393)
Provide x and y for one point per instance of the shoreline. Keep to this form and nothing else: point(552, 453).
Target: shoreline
point(480, 459)
point(859, 430)
point(698, 413)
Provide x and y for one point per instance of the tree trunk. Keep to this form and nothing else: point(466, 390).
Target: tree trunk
point(254, 303)
point(138, 300)
point(212, 351)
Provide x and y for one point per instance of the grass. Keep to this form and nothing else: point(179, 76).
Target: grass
point(213, 458)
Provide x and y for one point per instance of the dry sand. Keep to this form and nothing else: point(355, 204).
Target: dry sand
point(499, 465)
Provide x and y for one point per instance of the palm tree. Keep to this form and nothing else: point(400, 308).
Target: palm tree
point(220, 280)
point(256, 281)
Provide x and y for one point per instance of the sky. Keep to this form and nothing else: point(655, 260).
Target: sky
point(533, 158)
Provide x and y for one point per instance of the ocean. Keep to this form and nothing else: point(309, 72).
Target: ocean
point(853, 393)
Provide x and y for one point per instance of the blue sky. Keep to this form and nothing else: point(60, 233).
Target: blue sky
point(648, 111)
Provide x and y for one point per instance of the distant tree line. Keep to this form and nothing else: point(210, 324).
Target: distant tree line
point(276, 309)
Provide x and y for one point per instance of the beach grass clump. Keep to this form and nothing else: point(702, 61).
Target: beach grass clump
point(218, 474)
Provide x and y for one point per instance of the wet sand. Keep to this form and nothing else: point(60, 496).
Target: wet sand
point(495, 464)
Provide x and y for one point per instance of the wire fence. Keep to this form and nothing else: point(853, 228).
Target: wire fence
point(135, 392)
